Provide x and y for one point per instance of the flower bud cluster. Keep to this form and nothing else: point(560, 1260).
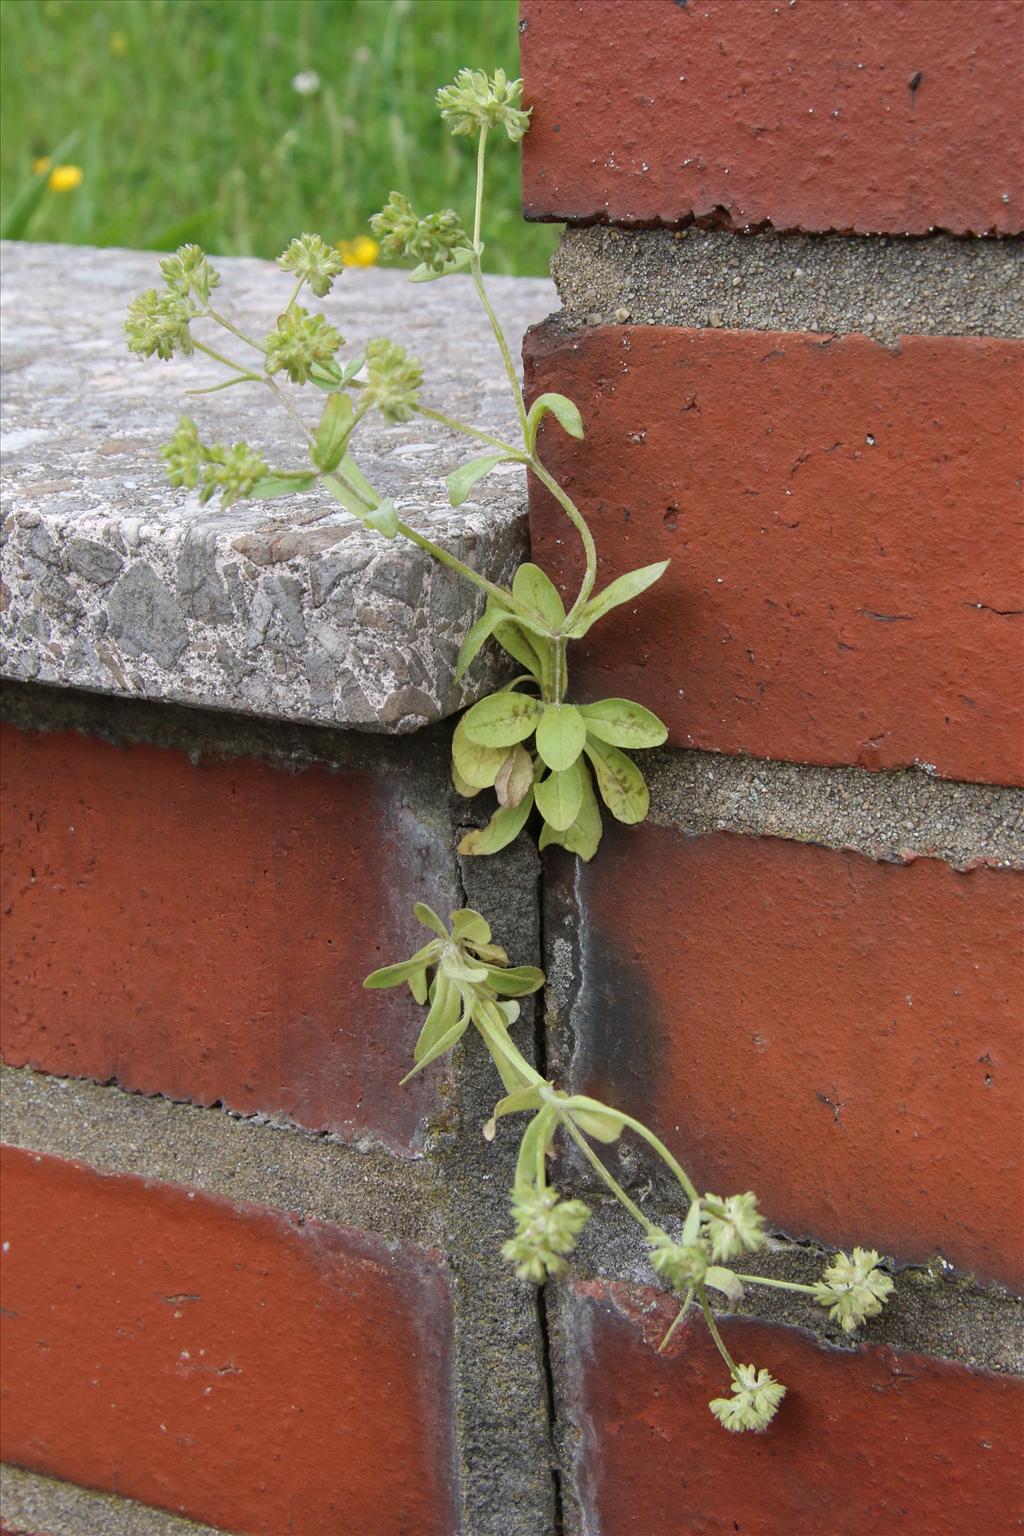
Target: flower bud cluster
point(755, 1401)
point(739, 1229)
point(680, 1264)
point(213, 467)
point(393, 379)
point(546, 1230)
point(432, 240)
point(853, 1288)
point(314, 261)
point(158, 322)
point(475, 100)
point(300, 342)
point(189, 272)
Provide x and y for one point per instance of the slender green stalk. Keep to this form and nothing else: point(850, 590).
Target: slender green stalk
point(578, 521)
point(687, 1304)
point(505, 598)
point(780, 1285)
point(496, 1039)
point(219, 357)
point(607, 1178)
point(709, 1318)
point(461, 426)
point(229, 326)
point(481, 290)
point(659, 1146)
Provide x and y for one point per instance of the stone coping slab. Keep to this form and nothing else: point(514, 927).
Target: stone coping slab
point(116, 582)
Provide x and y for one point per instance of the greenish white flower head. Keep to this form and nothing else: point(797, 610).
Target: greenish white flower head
point(158, 322)
point(740, 1228)
point(475, 100)
point(546, 1230)
point(432, 240)
point(300, 342)
point(314, 261)
point(393, 379)
point(755, 1401)
point(853, 1288)
point(189, 272)
point(184, 454)
point(232, 471)
point(681, 1264)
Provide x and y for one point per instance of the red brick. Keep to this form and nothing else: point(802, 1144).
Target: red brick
point(202, 931)
point(237, 1365)
point(863, 1442)
point(841, 1036)
point(802, 116)
point(843, 526)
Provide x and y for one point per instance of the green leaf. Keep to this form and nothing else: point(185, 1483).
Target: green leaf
point(444, 1012)
point(460, 260)
point(532, 651)
point(539, 595)
point(429, 918)
point(477, 766)
point(268, 487)
point(367, 497)
point(384, 519)
point(394, 975)
point(440, 1047)
point(333, 432)
point(599, 1121)
point(491, 1019)
point(477, 636)
point(505, 825)
point(725, 1281)
point(560, 796)
point(561, 734)
point(536, 1139)
point(622, 590)
point(584, 836)
point(560, 407)
point(517, 981)
point(419, 986)
point(462, 480)
point(466, 790)
point(691, 1226)
point(620, 781)
point(515, 1103)
point(502, 719)
point(469, 926)
point(622, 723)
point(515, 777)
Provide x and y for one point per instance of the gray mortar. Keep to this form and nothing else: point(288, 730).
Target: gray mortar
point(31, 1504)
point(891, 816)
point(115, 581)
point(241, 1159)
point(881, 287)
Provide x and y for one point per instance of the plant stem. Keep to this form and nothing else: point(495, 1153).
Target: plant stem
point(219, 357)
point(461, 426)
point(228, 326)
point(687, 1304)
point(454, 564)
point(497, 1041)
point(282, 398)
point(713, 1330)
point(781, 1285)
point(599, 1168)
point(578, 521)
point(478, 283)
point(689, 1188)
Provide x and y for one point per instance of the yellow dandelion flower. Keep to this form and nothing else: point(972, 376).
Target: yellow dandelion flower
point(363, 251)
point(65, 178)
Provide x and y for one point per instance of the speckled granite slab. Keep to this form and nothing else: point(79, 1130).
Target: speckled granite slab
point(115, 581)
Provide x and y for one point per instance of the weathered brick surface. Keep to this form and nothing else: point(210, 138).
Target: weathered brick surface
point(863, 1442)
point(200, 930)
point(852, 115)
point(843, 526)
point(230, 1363)
point(839, 1035)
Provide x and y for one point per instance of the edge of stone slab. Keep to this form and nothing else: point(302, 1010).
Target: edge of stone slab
point(117, 583)
point(882, 287)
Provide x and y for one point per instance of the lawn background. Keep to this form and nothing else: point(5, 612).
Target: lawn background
point(189, 126)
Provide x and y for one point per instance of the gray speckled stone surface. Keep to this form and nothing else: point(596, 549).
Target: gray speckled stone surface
point(115, 581)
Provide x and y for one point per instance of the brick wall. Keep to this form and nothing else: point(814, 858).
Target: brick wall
point(253, 1286)
point(793, 970)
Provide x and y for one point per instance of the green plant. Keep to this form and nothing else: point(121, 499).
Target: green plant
point(528, 741)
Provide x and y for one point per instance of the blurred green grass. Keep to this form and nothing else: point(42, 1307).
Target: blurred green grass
point(190, 127)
